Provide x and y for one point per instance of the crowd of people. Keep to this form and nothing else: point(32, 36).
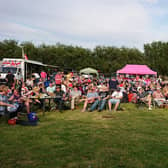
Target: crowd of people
point(68, 90)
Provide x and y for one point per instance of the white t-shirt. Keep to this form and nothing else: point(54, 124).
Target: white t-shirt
point(50, 89)
point(117, 95)
point(63, 88)
point(75, 93)
point(29, 82)
point(19, 76)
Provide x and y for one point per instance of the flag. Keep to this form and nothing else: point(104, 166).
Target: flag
point(25, 57)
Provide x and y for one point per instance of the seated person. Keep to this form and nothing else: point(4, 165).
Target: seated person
point(91, 98)
point(67, 99)
point(104, 95)
point(115, 99)
point(165, 91)
point(102, 85)
point(41, 93)
point(29, 82)
point(41, 88)
point(50, 89)
point(25, 91)
point(144, 97)
point(125, 95)
point(47, 83)
point(75, 95)
point(59, 98)
point(21, 101)
point(132, 93)
point(159, 98)
point(4, 100)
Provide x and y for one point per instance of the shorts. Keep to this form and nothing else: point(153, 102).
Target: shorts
point(114, 101)
point(160, 101)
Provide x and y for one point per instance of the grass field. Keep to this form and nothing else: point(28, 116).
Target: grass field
point(125, 139)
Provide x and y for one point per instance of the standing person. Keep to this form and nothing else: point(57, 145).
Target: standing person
point(64, 86)
point(58, 79)
point(69, 76)
point(54, 73)
point(43, 75)
point(10, 78)
point(19, 75)
point(159, 79)
point(113, 83)
point(18, 85)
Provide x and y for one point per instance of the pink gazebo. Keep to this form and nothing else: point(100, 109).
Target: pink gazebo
point(136, 70)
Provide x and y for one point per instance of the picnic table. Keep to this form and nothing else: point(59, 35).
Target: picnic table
point(44, 97)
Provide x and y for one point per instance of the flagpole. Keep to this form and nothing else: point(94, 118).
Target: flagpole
point(23, 55)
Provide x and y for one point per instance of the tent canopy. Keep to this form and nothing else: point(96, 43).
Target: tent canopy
point(136, 69)
point(88, 71)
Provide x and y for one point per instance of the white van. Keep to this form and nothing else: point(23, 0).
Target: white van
point(21, 68)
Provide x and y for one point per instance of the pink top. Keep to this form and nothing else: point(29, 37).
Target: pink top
point(43, 74)
point(58, 79)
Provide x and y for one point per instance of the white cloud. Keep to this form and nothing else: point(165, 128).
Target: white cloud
point(21, 32)
point(84, 22)
point(152, 1)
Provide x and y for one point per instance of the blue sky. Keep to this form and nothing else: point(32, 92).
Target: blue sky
point(86, 23)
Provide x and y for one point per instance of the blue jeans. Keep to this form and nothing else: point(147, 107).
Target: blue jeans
point(59, 102)
point(102, 104)
point(94, 105)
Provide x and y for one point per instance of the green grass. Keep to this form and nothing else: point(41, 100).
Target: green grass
point(125, 139)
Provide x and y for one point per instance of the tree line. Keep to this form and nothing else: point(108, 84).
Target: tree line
point(106, 59)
